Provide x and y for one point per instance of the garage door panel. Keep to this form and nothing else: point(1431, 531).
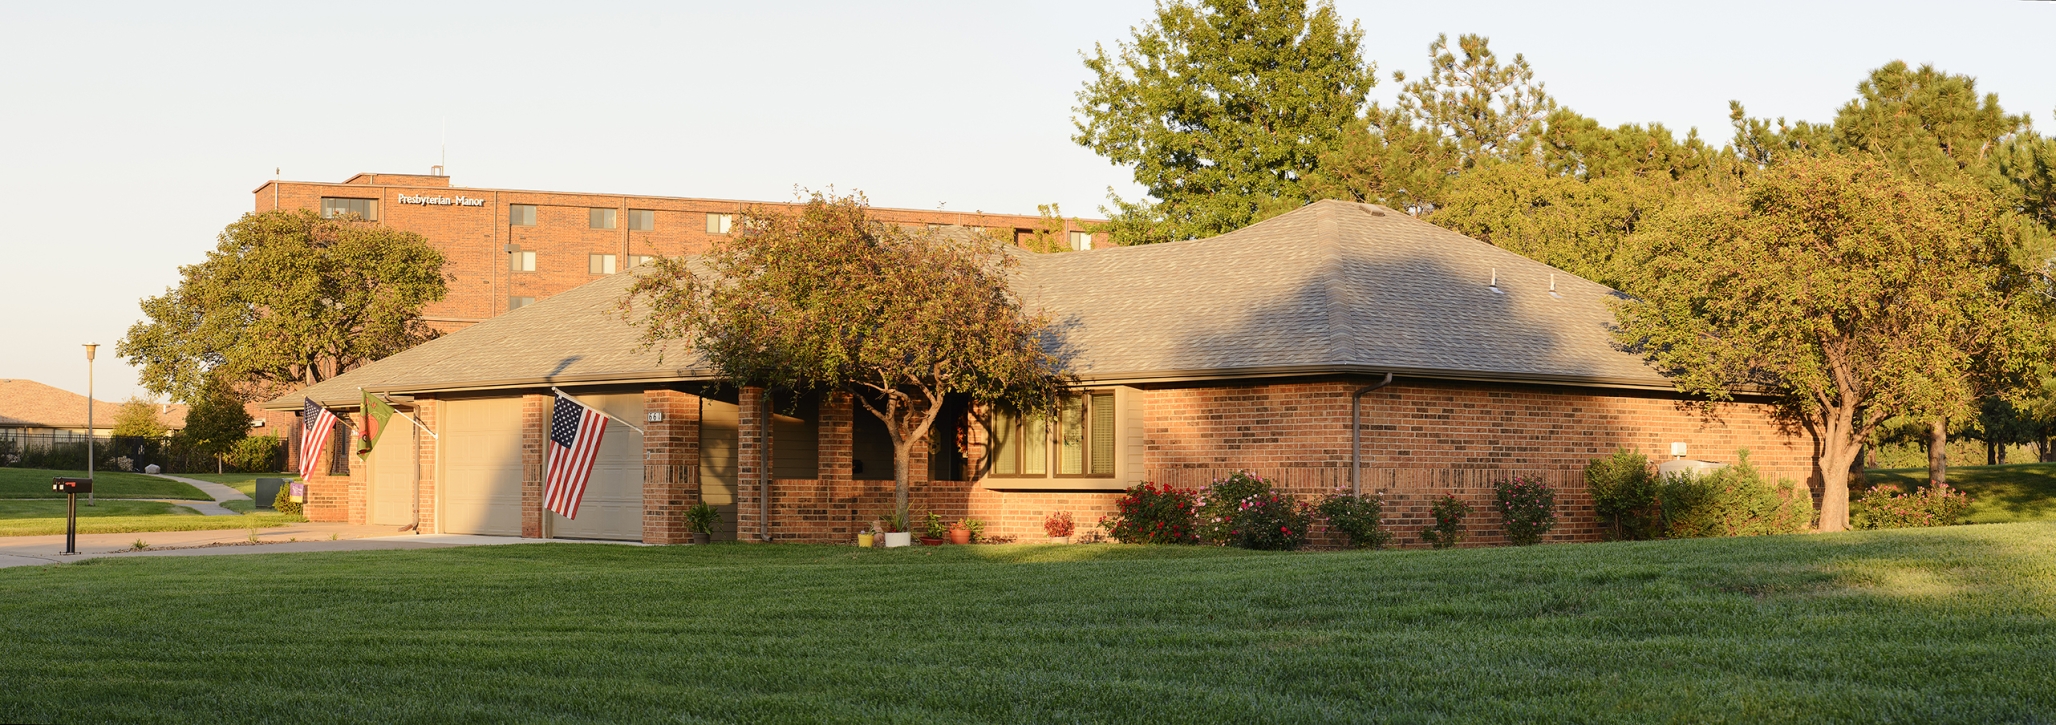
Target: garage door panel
point(392, 476)
point(613, 503)
point(481, 454)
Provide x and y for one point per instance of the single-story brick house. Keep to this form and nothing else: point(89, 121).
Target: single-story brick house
point(1197, 358)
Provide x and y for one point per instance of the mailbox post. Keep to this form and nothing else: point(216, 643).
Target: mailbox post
point(71, 488)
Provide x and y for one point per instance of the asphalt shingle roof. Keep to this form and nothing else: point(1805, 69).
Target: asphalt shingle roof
point(1332, 287)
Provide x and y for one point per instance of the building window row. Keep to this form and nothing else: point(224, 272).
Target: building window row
point(524, 215)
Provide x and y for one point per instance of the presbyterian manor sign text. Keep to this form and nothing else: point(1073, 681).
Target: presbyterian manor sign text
point(440, 200)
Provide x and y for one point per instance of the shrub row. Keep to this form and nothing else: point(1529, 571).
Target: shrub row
point(1633, 503)
point(1242, 510)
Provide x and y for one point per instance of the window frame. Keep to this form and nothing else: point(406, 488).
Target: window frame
point(514, 218)
point(602, 263)
point(642, 220)
point(1016, 436)
point(595, 215)
point(512, 305)
point(521, 261)
point(719, 222)
point(329, 212)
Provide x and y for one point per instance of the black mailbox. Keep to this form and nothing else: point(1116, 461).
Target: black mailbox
point(72, 485)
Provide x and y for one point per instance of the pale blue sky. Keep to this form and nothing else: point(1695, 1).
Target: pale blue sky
point(132, 133)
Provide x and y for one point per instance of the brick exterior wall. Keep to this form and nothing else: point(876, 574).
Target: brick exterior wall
point(535, 434)
point(671, 458)
point(474, 239)
point(425, 452)
point(1421, 440)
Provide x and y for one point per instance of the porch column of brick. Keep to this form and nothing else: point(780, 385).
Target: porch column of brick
point(671, 457)
point(753, 460)
point(832, 452)
point(535, 437)
point(426, 448)
point(360, 473)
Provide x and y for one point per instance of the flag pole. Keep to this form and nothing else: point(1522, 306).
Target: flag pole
point(631, 426)
point(396, 411)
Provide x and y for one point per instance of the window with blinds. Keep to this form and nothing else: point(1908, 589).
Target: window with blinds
point(337, 207)
point(1078, 442)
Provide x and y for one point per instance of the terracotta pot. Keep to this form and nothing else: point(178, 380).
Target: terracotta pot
point(864, 540)
point(699, 538)
point(960, 536)
point(895, 539)
point(930, 541)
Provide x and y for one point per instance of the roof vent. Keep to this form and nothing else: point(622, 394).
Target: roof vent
point(1552, 286)
point(1495, 282)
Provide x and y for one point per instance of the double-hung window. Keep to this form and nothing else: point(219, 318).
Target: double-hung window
point(600, 263)
point(600, 218)
point(1078, 442)
point(642, 220)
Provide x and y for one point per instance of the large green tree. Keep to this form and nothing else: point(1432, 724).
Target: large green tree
point(1845, 289)
point(286, 299)
point(1466, 111)
point(215, 421)
point(1222, 107)
point(821, 297)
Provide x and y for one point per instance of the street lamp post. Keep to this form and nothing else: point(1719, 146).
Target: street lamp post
point(90, 349)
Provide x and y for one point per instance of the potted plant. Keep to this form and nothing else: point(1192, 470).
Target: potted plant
point(975, 527)
point(964, 530)
point(936, 533)
point(894, 525)
point(865, 539)
point(1058, 526)
point(702, 517)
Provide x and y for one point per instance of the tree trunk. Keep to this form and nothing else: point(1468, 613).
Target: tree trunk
point(902, 455)
point(1836, 456)
point(1991, 451)
point(1938, 451)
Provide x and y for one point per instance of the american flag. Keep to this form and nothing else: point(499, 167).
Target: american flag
point(575, 432)
point(315, 425)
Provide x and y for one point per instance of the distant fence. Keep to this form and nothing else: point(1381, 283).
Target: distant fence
point(67, 451)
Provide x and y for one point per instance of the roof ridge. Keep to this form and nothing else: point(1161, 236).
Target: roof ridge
point(1334, 281)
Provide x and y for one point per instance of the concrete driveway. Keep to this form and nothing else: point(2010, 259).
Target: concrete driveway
point(292, 538)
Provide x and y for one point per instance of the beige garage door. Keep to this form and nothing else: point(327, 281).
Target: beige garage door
point(481, 455)
point(613, 503)
point(392, 476)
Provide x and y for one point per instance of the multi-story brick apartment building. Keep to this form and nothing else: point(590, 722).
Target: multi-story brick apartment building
point(507, 247)
point(1334, 344)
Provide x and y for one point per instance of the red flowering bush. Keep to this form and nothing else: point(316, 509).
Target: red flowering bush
point(1527, 507)
point(1448, 529)
point(1270, 522)
point(1153, 514)
point(1884, 507)
point(1058, 525)
point(1220, 502)
point(1357, 516)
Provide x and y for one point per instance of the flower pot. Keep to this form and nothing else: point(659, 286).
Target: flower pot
point(960, 536)
point(864, 540)
point(699, 538)
point(898, 538)
point(1060, 539)
point(930, 541)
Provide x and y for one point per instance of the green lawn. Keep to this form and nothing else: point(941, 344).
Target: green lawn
point(1932, 625)
point(35, 483)
point(1999, 494)
point(38, 518)
point(244, 482)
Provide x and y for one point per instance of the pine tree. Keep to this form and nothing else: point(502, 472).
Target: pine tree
point(1223, 107)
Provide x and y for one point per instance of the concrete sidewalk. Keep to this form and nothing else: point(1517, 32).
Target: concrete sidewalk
point(294, 538)
point(219, 492)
